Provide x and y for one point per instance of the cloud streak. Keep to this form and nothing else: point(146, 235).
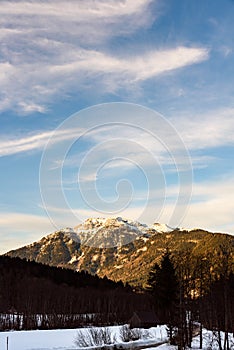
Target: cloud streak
point(210, 130)
point(50, 49)
point(137, 68)
point(211, 208)
point(19, 229)
point(76, 10)
point(36, 142)
point(207, 130)
point(24, 144)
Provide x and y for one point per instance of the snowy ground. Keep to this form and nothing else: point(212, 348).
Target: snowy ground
point(59, 339)
point(25, 340)
point(64, 339)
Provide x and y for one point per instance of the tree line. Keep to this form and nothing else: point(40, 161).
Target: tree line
point(188, 296)
point(33, 295)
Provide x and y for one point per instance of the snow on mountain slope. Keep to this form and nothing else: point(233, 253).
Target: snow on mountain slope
point(121, 249)
point(113, 222)
point(109, 232)
point(161, 227)
point(64, 246)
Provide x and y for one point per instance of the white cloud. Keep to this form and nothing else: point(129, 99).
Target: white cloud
point(37, 141)
point(76, 10)
point(211, 205)
point(207, 130)
point(49, 48)
point(32, 85)
point(141, 145)
point(24, 144)
point(18, 229)
point(31, 107)
point(20, 221)
point(211, 208)
point(214, 214)
point(135, 68)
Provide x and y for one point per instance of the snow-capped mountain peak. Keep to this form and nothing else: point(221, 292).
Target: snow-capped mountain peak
point(100, 222)
point(133, 247)
point(114, 231)
point(161, 227)
point(99, 232)
point(109, 232)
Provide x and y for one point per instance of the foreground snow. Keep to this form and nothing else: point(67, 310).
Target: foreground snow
point(28, 340)
point(65, 339)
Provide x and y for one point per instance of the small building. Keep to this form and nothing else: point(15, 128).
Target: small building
point(143, 319)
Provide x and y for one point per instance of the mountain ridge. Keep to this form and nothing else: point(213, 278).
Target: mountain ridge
point(97, 246)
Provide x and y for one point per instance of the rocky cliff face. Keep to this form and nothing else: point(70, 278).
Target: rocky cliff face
point(125, 250)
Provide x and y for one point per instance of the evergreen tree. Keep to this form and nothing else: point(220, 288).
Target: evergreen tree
point(164, 288)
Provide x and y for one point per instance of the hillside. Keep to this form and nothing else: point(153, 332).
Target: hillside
point(78, 249)
point(61, 297)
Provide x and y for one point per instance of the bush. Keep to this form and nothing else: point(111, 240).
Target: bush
point(94, 336)
point(127, 334)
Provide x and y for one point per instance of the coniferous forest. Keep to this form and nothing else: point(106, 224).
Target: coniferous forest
point(189, 299)
point(33, 295)
point(37, 296)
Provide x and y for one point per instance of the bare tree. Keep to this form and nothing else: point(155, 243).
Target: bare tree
point(84, 340)
point(127, 334)
point(94, 337)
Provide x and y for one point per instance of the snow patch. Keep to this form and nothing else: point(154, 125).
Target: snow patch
point(95, 257)
point(73, 259)
point(118, 266)
point(144, 249)
point(161, 227)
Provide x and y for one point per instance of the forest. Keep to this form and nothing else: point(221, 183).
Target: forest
point(185, 297)
point(188, 296)
point(33, 295)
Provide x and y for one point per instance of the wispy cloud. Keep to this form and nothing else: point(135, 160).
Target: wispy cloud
point(50, 48)
point(18, 229)
point(211, 207)
point(206, 130)
point(24, 144)
point(201, 131)
point(36, 141)
point(110, 12)
point(136, 68)
point(37, 35)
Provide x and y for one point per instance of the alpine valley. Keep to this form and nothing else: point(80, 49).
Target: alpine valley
point(126, 250)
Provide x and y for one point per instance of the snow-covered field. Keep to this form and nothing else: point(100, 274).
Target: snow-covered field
point(25, 340)
point(62, 339)
point(65, 339)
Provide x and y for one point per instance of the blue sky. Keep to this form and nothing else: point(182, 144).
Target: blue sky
point(60, 57)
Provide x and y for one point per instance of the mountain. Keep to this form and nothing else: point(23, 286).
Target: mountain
point(126, 250)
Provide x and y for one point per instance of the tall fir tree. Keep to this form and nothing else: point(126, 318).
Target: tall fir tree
point(164, 288)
